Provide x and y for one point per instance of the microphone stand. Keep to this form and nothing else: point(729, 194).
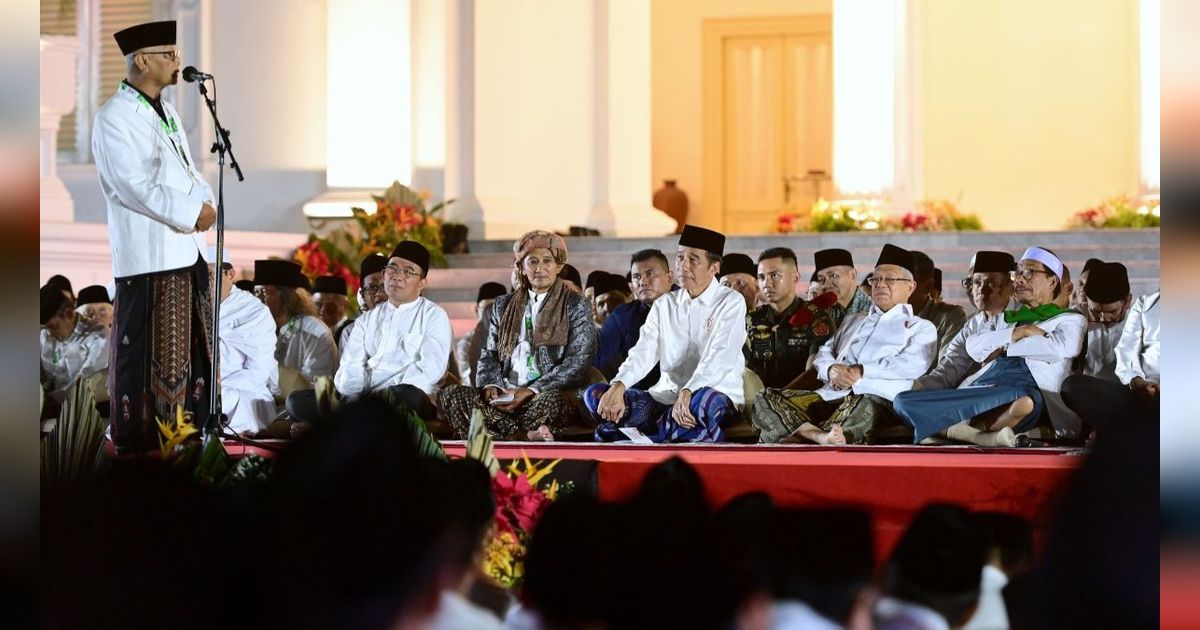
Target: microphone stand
point(222, 147)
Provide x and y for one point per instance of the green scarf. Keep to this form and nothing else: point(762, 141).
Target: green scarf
point(1026, 315)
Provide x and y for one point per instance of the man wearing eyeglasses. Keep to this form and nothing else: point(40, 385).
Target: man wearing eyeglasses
point(370, 291)
point(836, 273)
point(873, 357)
point(1024, 364)
point(650, 276)
point(158, 208)
point(991, 292)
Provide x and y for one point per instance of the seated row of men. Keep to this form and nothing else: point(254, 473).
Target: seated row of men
point(841, 367)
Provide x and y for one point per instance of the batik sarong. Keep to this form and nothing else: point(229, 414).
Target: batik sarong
point(654, 419)
point(865, 419)
point(159, 352)
point(930, 412)
point(555, 409)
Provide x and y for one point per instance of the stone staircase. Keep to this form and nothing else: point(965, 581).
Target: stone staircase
point(455, 287)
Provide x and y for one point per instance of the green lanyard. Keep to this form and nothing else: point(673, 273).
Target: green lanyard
point(531, 369)
point(169, 126)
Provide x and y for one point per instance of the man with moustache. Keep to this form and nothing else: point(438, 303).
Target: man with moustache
point(651, 278)
point(873, 357)
point(835, 272)
point(738, 272)
point(158, 208)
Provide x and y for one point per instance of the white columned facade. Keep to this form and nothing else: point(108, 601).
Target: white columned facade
point(459, 179)
point(57, 99)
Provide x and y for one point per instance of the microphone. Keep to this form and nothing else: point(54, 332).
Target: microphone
point(191, 75)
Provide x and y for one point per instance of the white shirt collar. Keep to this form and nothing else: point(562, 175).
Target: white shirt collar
point(402, 307)
point(534, 296)
point(706, 297)
point(903, 309)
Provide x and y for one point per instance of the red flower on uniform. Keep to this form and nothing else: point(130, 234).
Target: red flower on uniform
point(825, 300)
point(802, 317)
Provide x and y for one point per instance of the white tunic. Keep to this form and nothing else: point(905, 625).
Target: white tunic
point(1101, 358)
point(151, 185)
point(1049, 360)
point(1137, 353)
point(695, 342)
point(894, 348)
point(248, 364)
point(393, 345)
point(306, 345)
point(82, 354)
point(956, 363)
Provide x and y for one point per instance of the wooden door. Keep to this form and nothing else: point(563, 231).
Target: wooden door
point(769, 119)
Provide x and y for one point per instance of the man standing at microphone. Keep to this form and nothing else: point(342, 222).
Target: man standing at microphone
point(158, 208)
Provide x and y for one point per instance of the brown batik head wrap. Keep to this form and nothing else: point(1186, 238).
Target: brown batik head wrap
point(551, 326)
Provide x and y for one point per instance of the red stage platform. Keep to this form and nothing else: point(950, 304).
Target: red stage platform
point(891, 482)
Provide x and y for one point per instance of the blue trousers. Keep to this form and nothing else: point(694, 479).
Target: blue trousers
point(932, 411)
point(709, 406)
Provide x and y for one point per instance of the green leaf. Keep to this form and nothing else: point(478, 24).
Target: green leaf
point(74, 450)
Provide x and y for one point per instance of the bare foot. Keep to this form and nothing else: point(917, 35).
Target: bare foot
point(834, 437)
point(541, 434)
point(298, 429)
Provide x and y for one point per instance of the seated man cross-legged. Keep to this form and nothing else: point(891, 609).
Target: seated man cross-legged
point(1023, 367)
point(540, 344)
point(695, 336)
point(874, 356)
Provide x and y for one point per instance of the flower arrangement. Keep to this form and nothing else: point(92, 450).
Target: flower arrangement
point(207, 463)
point(399, 214)
point(812, 313)
point(932, 215)
point(520, 502)
point(1118, 212)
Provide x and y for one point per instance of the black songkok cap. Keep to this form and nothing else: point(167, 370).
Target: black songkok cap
point(280, 273)
point(330, 284)
point(594, 277)
point(937, 278)
point(568, 272)
point(703, 238)
point(52, 300)
point(94, 294)
point(892, 255)
point(490, 291)
point(1091, 263)
point(245, 285)
point(922, 266)
point(993, 262)
point(61, 282)
point(371, 264)
point(737, 263)
point(1107, 283)
point(414, 253)
point(611, 282)
point(141, 36)
point(827, 258)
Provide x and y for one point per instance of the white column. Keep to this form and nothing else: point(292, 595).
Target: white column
point(460, 116)
point(1150, 57)
point(864, 95)
point(57, 99)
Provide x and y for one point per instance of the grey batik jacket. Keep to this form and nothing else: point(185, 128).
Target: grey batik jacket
point(562, 367)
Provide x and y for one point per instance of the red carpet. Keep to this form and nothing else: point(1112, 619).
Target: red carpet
point(890, 482)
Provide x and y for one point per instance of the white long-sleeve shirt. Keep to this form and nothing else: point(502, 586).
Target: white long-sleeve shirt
point(894, 348)
point(1100, 359)
point(1137, 352)
point(696, 342)
point(306, 345)
point(82, 354)
point(391, 345)
point(956, 363)
point(248, 365)
point(1048, 358)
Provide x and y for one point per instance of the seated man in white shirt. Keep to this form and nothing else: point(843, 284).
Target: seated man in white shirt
point(70, 349)
point(248, 367)
point(400, 345)
point(991, 291)
point(304, 343)
point(94, 307)
point(329, 296)
point(1024, 364)
point(1137, 389)
point(932, 580)
point(1107, 300)
point(874, 356)
point(695, 335)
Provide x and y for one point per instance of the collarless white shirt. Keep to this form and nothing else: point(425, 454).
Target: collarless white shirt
point(696, 342)
point(392, 345)
point(893, 348)
point(248, 365)
point(305, 344)
point(519, 372)
point(1138, 353)
point(956, 363)
point(1100, 359)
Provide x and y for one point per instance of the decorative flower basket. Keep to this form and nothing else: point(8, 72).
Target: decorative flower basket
point(932, 215)
point(1121, 211)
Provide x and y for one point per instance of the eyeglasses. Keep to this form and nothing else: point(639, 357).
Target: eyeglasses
point(878, 280)
point(372, 288)
point(1025, 274)
point(975, 283)
point(397, 269)
point(173, 55)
